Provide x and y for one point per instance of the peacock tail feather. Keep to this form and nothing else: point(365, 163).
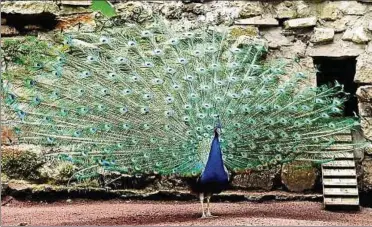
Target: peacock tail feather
point(145, 99)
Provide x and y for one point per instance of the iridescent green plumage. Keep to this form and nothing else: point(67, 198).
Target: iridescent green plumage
point(134, 99)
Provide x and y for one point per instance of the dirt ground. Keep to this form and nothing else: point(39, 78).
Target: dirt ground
point(117, 212)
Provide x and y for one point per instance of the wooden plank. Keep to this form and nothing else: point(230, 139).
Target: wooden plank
point(341, 201)
point(341, 191)
point(339, 155)
point(340, 182)
point(339, 172)
point(340, 146)
point(340, 163)
point(343, 138)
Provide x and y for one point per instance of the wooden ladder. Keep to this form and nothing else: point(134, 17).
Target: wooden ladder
point(340, 186)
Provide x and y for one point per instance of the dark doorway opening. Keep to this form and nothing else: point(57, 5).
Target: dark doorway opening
point(342, 70)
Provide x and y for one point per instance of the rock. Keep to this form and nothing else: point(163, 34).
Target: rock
point(367, 174)
point(303, 9)
point(263, 21)
point(369, 47)
point(23, 224)
point(251, 9)
point(364, 93)
point(81, 22)
point(285, 10)
point(275, 38)
point(322, 35)
point(28, 7)
point(342, 24)
point(255, 180)
point(352, 7)
point(365, 109)
point(77, 2)
point(300, 23)
point(367, 1)
point(364, 69)
point(357, 34)
point(68, 200)
point(250, 31)
point(370, 26)
point(9, 31)
point(330, 11)
point(139, 12)
point(298, 178)
point(366, 123)
point(338, 48)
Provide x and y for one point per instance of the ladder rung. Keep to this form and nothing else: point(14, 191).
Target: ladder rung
point(343, 138)
point(339, 172)
point(340, 182)
point(348, 155)
point(341, 191)
point(341, 201)
point(340, 146)
point(340, 163)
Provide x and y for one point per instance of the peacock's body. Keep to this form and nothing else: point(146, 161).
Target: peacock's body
point(134, 99)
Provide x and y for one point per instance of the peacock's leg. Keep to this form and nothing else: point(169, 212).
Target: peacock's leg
point(201, 196)
point(208, 205)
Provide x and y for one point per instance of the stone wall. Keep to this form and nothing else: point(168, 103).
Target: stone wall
point(291, 29)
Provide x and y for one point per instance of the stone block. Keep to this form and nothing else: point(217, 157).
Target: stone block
point(29, 7)
point(77, 2)
point(341, 24)
point(330, 11)
point(364, 68)
point(364, 93)
point(260, 21)
point(251, 9)
point(366, 123)
point(298, 176)
point(275, 38)
point(249, 31)
point(300, 23)
point(322, 35)
point(357, 34)
point(285, 10)
point(255, 180)
point(338, 48)
point(352, 7)
point(367, 175)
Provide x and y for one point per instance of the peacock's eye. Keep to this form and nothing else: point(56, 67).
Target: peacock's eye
point(176, 86)
point(186, 118)
point(149, 64)
point(157, 51)
point(170, 70)
point(146, 33)
point(182, 61)
point(123, 110)
point(132, 43)
point(103, 40)
point(174, 41)
point(189, 35)
point(201, 70)
point(197, 52)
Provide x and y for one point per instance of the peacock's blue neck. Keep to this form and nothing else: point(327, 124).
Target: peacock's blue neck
point(214, 170)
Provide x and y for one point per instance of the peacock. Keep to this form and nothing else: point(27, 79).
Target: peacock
point(159, 98)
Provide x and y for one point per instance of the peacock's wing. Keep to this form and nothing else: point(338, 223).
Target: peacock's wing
point(146, 99)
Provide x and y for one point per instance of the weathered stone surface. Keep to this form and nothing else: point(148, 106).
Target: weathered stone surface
point(286, 9)
point(301, 22)
point(298, 178)
point(251, 9)
point(341, 24)
point(8, 31)
point(352, 7)
point(81, 22)
point(77, 2)
point(255, 180)
point(330, 11)
point(364, 68)
point(338, 48)
point(268, 21)
point(357, 34)
point(364, 93)
point(275, 38)
point(366, 123)
point(140, 12)
point(28, 7)
point(365, 109)
point(322, 35)
point(370, 26)
point(367, 174)
point(303, 9)
point(369, 48)
point(244, 31)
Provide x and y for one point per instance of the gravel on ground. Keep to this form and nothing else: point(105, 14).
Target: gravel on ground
point(121, 212)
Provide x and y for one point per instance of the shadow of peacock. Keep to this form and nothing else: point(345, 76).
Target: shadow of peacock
point(151, 98)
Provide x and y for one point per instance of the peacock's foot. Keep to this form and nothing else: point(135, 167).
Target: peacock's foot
point(203, 216)
point(209, 215)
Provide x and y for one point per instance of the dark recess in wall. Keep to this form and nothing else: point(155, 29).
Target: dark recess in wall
point(343, 70)
point(29, 23)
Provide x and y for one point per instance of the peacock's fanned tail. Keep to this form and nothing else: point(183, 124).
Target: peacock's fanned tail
point(135, 99)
